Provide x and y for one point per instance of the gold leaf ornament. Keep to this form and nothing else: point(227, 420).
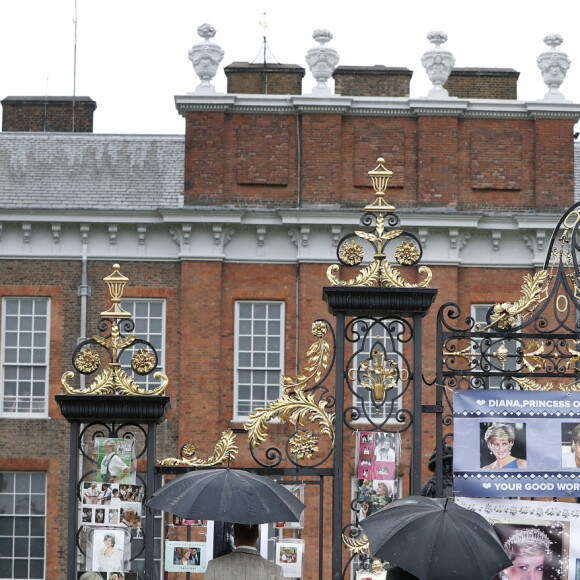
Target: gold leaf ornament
point(225, 450)
point(87, 360)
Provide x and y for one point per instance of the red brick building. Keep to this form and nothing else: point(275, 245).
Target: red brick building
point(231, 228)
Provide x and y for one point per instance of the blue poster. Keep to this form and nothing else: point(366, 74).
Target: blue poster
point(516, 443)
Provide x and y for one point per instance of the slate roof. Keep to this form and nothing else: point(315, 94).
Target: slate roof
point(91, 171)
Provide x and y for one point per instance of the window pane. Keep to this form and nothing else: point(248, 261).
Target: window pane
point(22, 538)
point(21, 348)
point(149, 318)
point(259, 353)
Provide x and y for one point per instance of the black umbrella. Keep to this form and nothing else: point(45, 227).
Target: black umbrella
point(435, 539)
point(227, 495)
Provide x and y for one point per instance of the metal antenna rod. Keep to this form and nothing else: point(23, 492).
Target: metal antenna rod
point(74, 71)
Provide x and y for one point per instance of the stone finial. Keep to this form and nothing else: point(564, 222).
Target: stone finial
point(438, 64)
point(554, 64)
point(206, 57)
point(322, 61)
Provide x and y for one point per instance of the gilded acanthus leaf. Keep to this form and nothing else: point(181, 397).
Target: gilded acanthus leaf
point(532, 351)
point(575, 356)
point(225, 450)
point(294, 406)
point(508, 313)
point(96, 388)
point(317, 354)
point(359, 545)
point(531, 385)
point(379, 273)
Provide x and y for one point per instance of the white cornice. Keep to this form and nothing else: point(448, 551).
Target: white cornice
point(373, 106)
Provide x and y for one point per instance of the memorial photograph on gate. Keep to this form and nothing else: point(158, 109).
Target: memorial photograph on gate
point(516, 443)
point(540, 538)
point(376, 470)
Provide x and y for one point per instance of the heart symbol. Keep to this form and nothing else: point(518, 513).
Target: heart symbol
point(480, 402)
point(486, 485)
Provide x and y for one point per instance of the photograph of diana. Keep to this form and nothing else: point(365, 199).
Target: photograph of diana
point(503, 446)
point(571, 445)
point(108, 550)
point(537, 552)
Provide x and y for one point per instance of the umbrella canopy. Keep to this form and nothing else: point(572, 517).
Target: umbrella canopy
point(435, 539)
point(227, 495)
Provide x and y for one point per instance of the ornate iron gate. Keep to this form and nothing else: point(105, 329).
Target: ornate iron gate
point(531, 343)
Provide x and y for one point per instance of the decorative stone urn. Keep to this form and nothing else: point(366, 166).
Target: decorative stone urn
point(438, 64)
point(322, 61)
point(554, 64)
point(206, 57)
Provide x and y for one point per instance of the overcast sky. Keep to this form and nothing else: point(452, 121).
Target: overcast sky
point(132, 54)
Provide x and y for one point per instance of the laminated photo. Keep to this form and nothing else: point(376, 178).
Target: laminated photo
point(116, 461)
point(185, 557)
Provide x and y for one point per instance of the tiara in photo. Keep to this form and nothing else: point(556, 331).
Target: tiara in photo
point(532, 535)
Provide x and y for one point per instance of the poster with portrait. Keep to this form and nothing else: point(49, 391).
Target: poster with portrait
point(116, 461)
point(185, 556)
point(220, 539)
point(536, 535)
point(289, 557)
point(108, 550)
point(376, 470)
point(516, 443)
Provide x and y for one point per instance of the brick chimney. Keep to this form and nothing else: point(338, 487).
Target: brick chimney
point(372, 81)
point(48, 114)
point(483, 83)
point(264, 79)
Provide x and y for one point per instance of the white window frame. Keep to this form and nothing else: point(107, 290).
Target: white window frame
point(494, 382)
point(4, 365)
point(16, 493)
point(364, 354)
point(238, 368)
point(147, 381)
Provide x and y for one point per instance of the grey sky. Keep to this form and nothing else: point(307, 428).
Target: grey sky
point(132, 54)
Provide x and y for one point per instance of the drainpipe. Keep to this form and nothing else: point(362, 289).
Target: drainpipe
point(84, 291)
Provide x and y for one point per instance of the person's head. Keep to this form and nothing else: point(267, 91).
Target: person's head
point(109, 446)
point(115, 492)
point(246, 535)
point(91, 576)
point(186, 553)
point(383, 489)
point(528, 550)
point(194, 551)
point(500, 439)
point(93, 485)
point(575, 441)
point(129, 514)
point(109, 540)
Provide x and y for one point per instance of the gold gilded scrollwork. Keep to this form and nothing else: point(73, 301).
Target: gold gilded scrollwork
point(358, 545)
point(380, 272)
point(531, 385)
point(534, 291)
point(113, 379)
point(296, 405)
point(224, 451)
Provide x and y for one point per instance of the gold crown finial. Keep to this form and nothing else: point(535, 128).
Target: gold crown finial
point(116, 283)
point(380, 178)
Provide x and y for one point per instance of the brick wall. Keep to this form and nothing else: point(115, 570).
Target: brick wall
point(372, 81)
point(48, 114)
point(438, 161)
point(483, 83)
point(264, 79)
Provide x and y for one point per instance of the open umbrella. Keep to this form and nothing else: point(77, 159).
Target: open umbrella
point(435, 539)
point(227, 495)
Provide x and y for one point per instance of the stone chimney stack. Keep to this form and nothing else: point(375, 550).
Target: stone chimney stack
point(48, 114)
